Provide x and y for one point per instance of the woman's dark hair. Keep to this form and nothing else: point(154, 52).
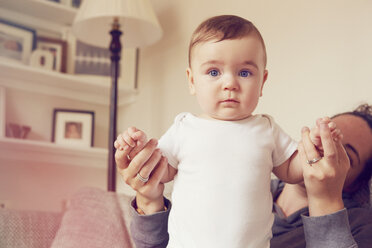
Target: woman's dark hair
point(363, 111)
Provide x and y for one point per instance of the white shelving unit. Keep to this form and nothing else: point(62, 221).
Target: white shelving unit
point(42, 14)
point(81, 88)
point(28, 151)
point(57, 18)
point(51, 17)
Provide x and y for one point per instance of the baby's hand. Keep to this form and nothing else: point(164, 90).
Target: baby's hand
point(315, 132)
point(130, 138)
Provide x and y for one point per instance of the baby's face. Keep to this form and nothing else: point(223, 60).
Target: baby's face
point(227, 77)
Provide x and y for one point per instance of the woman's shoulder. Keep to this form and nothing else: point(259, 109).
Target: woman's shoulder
point(360, 221)
point(358, 215)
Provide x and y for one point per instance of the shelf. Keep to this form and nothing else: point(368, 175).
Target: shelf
point(42, 9)
point(80, 88)
point(44, 152)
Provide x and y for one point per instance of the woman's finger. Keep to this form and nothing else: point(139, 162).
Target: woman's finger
point(310, 150)
point(159, 171)
point(143, 175)
point(330, 152)
point(301, 152)
point(342, 155)
point(141, 158)
point(149, 166)
point(121, 158)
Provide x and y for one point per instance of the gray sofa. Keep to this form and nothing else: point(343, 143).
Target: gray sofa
point(94, 218)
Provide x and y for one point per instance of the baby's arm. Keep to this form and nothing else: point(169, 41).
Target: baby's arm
point(135, 139)
point(291, 170)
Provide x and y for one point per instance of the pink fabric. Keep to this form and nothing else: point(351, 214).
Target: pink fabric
point(28, 229)
point(95, 218)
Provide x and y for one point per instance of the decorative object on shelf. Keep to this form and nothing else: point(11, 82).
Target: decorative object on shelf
point(42, 59)
point(58, 48)
point(91, 60)
point(140, 25)
point(18, 131)
point(76, 3)
point(72, 3)
point(2, 111)
point(73, 127)
point(16, 41)
point(94, 63)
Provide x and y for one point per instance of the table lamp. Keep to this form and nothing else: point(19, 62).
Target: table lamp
point(101, 23)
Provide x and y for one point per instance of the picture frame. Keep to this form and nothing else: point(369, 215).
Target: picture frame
point(95, 63)
point(73, 127)
point(2, 112)
point(58, 48)
point(16, 41)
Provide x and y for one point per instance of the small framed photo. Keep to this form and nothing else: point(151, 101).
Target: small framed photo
point(73, 127)
point(58, 49)
point(2, 112)
point(16, 41)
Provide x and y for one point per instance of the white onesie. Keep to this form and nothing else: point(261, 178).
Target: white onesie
point(221, 195)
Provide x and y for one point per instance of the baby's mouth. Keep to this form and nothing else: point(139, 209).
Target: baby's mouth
point(231, 100)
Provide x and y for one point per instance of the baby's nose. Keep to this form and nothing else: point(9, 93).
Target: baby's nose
point(230, 83)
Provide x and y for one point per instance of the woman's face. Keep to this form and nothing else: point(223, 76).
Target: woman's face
point(357, 142)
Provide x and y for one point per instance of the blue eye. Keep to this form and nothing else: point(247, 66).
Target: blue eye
point(244, 73)
point(213, 73)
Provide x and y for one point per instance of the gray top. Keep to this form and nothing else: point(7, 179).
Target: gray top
point(348, 228)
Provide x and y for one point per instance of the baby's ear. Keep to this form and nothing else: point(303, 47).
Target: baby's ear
point(190, 79)
point(266, 74)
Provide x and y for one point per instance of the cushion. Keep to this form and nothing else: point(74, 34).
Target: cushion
point(28, 229)
point(95, 218)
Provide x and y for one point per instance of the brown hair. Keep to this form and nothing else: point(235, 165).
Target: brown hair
point(361, 183)
point(224, 27)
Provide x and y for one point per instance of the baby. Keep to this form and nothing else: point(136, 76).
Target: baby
point(221, 160)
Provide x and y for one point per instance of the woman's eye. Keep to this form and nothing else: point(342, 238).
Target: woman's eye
point(244, 73)
point(350, 159)
point(213, 73)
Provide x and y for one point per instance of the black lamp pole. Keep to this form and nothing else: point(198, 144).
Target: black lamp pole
point(115, 49)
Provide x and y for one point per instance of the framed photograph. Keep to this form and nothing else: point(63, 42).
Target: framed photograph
point(16, 41)
point(2, 112)
point(73, 127)
point(94, 63)
point(58, 48)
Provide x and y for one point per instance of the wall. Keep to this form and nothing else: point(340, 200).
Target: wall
point(319, 60)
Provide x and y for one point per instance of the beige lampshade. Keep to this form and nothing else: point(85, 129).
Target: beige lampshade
point(137, 20)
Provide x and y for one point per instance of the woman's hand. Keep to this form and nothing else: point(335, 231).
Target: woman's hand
point(148, 162)
point(324, 179)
